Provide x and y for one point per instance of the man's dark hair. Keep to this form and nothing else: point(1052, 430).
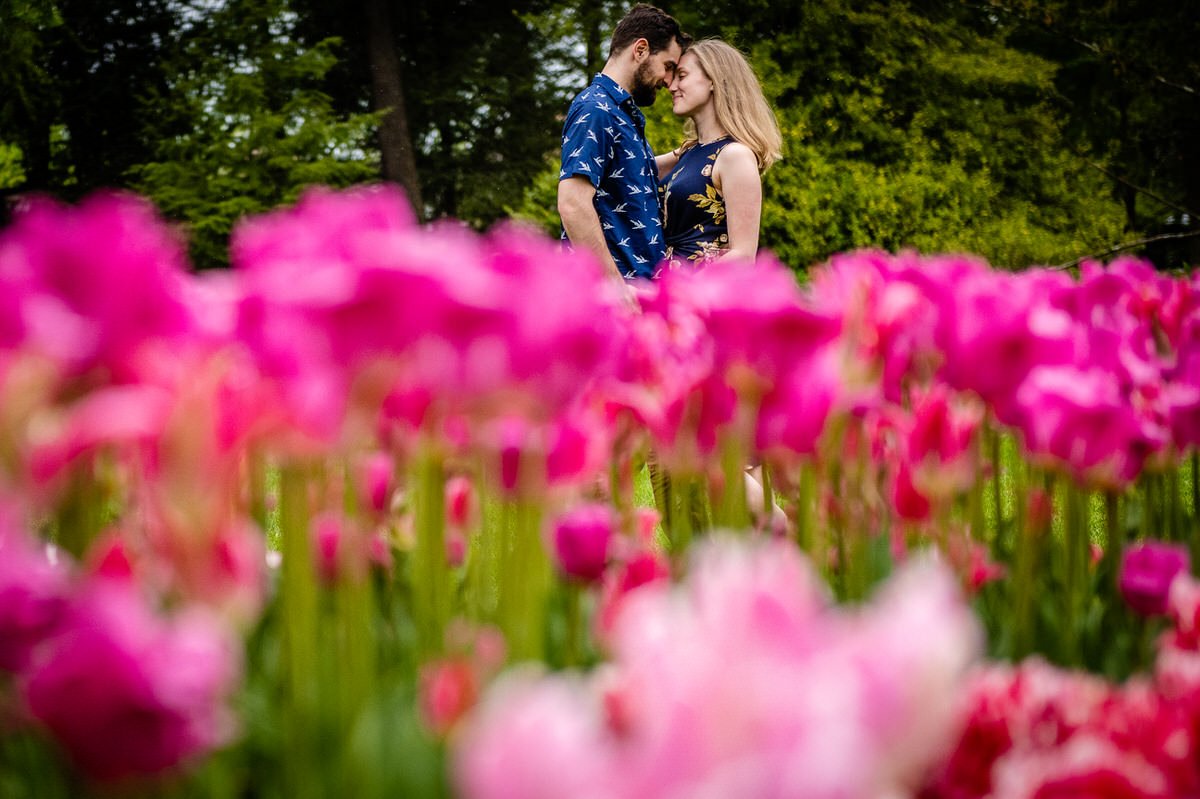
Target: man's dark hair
point(650, 23)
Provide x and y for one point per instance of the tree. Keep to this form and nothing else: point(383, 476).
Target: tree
point(479, 109)
point(1131, 74)
point(387, 82)
point(261, 129)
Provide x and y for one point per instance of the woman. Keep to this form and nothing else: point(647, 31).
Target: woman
point(711, 185)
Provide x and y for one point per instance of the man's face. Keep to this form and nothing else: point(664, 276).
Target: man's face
point(654, 73)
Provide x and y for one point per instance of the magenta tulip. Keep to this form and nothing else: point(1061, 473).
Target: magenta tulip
point(128, 693)
point(581, 538)
point(1147, 570)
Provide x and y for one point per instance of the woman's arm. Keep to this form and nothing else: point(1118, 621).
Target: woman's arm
point(666, 162)
point(736, 176)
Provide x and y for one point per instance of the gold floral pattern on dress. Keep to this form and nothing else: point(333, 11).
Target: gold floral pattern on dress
point(712, 202)
point(694, 227)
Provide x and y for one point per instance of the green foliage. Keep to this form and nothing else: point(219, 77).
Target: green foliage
point(11, 172)
point(262, 130)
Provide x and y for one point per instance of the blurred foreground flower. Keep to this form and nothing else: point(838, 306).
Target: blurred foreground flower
point(741, 682)
point(128, 693)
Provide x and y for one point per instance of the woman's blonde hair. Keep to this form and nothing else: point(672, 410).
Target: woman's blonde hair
point(741, 109)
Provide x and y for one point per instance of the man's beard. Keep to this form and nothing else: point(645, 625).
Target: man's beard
point(645, 88)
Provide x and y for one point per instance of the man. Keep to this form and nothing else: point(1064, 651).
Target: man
point(608, 184)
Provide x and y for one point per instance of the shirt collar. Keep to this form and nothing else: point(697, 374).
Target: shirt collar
point(623, 99)
point(612, 87)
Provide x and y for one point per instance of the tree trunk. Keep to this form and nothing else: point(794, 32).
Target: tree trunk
point(387, 84)
point(594, 54)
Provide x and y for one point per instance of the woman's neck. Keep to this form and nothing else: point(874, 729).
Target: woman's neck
point(707, 129)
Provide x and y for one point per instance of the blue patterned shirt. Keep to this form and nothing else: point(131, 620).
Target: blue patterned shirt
point(604, 140)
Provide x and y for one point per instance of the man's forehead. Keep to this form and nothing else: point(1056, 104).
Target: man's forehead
point(673, 52)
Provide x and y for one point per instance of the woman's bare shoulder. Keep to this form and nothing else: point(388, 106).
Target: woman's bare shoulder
point(735, 158)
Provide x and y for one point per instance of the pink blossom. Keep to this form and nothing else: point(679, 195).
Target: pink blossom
point(1079, 418)
point(996, 327)
point(91, 286)
point(35, 592)
point(581, 539)
point(1090, 766)
point(447, 689)
point(126, 692)
point(330, 547)
point(130, 416)
point(936, 460)
point(536, 738)
point(1147, 570)
point(1037, 731)
point(803, 701)
point(461, 504)
point(643, 567)
point(377, 475)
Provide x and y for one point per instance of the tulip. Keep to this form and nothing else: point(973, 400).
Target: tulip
point(581, 539)
point(128, 693)
point(35, 594)
point(1147, 571)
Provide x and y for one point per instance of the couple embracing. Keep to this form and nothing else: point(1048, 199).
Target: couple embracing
point(639, 212)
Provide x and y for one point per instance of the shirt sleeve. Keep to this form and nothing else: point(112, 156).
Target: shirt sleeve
point(587, 143)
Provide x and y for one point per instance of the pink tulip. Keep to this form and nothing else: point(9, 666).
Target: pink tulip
point(581, 539)
point(461, 504)
point(126, 692)
point(535, 739)
point(643, 567)
point(803, 701)
point(92, 286)
point(131, 416)
point(1147, 570)
point(377, 475)
point(1080, 419)
point(448, 689)
point(995, 328)
point(35, 595)
point(1037, 731)
point(331, 550)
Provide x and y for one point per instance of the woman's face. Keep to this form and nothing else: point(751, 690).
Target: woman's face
point(690, 89)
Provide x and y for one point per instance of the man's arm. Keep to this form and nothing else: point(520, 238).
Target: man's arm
point(581, 223)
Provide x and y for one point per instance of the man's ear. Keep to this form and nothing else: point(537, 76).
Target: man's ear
point(640, 49)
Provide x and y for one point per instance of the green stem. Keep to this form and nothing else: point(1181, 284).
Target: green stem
point(1076, 541)
point(431, 571)
point(664, 492)
point(1030, 541)
point(1114, 542)
point(805, 509)
point(682, 517)
point(621, 486)
point(734, 513)
point(526, 584)
point(256, 476)
point(768, 495)
point(994, 441)
point(300, 606)
point(1195, 490)
point(574, 643)
point(80, 516)
point(1174, 513)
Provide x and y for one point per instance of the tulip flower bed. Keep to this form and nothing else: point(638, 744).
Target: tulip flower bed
point(360, 517)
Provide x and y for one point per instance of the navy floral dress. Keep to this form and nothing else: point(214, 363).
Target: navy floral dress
point(694, 209)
